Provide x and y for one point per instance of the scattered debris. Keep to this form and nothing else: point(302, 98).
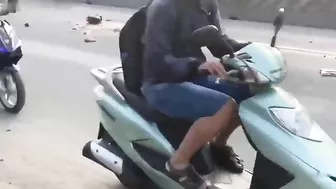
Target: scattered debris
point(26, 25)
point(310, 41)
point(233, 18)
point(8, 130)
point(328, 72)
point(116, 30)
point(108, 20)
point(324, 56)
point(1, 160)
point(95, 26)
point(87, 32)
point(89, 40)
point(94, 19)
point(76, 27)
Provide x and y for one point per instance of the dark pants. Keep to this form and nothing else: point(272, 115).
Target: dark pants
point(192, 100)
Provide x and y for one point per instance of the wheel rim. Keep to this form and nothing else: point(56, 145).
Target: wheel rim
point(8, 91)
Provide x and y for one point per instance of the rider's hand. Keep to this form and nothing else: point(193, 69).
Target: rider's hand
point(215, 68)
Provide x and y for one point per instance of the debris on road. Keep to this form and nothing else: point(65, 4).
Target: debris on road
point(94, 19)
point(1, 160)
point(310, 41)
point(95, 26)
point(26, 25)
point(8, 130)
point(89, 40)
point(233, 18)
point(92, 31)
point(327, 72)
point(75, 28)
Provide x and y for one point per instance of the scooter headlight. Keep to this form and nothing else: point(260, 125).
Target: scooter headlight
point(298, 122)
point(250, 76)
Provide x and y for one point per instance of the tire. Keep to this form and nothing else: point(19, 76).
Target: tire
point(133, 177)
point(21, 94)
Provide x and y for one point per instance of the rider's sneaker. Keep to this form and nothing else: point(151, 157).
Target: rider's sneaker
point(188, 178)
point(225, 157)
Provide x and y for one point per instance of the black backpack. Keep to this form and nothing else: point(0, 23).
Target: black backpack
point(132, 49)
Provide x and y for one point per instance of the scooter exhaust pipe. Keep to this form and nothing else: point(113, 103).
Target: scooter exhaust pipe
point(102, 156)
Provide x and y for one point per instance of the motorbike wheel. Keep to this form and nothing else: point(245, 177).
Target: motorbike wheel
point(20, 93)
point(132, 177)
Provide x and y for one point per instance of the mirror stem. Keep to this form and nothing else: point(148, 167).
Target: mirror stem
point(273, 41)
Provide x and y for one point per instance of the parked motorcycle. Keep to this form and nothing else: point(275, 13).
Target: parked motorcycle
point(12, 89)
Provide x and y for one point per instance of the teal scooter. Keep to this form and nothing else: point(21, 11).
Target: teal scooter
point(293, 152)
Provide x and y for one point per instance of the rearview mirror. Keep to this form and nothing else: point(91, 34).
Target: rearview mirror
point(278, 23)
point(207, 35)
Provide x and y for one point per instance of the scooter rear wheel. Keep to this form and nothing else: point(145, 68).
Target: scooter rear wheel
point(132, 176)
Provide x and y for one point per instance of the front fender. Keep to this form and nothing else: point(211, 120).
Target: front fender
point(11, 69)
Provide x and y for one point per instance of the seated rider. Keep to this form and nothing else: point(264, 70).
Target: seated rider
point(172, 84)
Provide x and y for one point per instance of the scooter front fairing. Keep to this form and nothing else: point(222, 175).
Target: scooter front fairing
point(307, 159)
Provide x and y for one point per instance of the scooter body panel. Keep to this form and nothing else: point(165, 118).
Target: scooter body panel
point(127, 127)
point(301, 157)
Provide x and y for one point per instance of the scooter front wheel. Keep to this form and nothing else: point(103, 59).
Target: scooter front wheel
point(11, 85)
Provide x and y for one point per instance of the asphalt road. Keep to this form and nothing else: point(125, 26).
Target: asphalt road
point(41, 147)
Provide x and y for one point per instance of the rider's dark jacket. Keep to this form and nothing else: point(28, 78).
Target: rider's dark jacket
point(168, 55)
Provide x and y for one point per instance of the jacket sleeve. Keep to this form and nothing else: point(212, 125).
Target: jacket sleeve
point(158, 39)
point(215, 18)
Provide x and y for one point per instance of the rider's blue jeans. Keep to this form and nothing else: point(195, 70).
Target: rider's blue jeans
point(192, 100)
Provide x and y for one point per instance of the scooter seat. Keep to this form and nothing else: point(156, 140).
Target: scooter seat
point(138, 103)
point(173, 129)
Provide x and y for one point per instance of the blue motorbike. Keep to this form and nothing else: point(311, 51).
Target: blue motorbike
point(12, 89)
